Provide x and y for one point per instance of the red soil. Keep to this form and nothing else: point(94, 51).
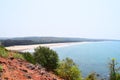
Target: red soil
point(17, 69)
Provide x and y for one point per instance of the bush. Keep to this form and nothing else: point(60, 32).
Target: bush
point(18, 56)
point(114, 70)
point(3, 52)
point(118, 76)
point(112, 65)
point(1, 68)
point(92, 76)
point(68, 70)
point(46, 57)
point(29, 57)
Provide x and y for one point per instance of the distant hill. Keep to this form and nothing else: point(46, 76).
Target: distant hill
point(42, 40)
point(53, 39)
point(3, 38)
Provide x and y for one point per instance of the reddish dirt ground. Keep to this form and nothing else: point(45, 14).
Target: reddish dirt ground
point(17, 69)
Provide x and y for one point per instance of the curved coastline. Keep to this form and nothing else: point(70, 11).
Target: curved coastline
point(51, 45)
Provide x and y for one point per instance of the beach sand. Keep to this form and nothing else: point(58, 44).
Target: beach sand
point(51, 45)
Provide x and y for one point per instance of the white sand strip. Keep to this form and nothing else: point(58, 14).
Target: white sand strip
point(51, 45)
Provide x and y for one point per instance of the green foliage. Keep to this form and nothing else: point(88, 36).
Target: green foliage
point(29, 57)
point(91, 76)
point(1, 68)
point(46, 57)
point(118, 76)
point(18, 56)
point(112, 70)
point(3, 52)
point(68, 70)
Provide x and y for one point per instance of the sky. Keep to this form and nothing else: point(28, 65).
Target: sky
point(60, 18)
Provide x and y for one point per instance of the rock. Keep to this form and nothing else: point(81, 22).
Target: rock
point(30, 66)
point(20, 60)
point(42, 72)
point(28, 76)
point(23, 70)
point(38, 66)
point(54, 79)
point(6, 78)
point(11, 58)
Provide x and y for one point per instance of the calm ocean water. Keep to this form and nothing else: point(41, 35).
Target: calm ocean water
point(92, 57)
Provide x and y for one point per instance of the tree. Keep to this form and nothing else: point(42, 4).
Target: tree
point(112, 70)
point(91, 76)
point(28, 57)
point(68, 70)
point(46, 57)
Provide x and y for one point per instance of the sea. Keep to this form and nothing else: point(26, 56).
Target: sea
point(92, 56)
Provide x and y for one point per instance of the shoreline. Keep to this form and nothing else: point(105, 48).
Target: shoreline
point(50, 45)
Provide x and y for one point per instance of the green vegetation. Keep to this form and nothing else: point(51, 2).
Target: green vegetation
point(18, 56)
point(10, 42)
point(46, 57)
point(29, 57)
point(114, 71)
point(3, 52)
point(1, 68)
point(68, 70)
point(42, 40)
point(118, 76)
point(91, 76)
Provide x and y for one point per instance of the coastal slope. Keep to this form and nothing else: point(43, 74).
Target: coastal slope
point(12, 68)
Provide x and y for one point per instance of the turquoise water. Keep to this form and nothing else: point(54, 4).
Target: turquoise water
point(92, 57)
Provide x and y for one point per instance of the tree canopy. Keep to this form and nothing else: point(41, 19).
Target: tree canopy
point(68, 70)
point(46, 57)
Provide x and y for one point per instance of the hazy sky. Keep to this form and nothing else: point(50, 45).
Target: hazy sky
point(62, 18)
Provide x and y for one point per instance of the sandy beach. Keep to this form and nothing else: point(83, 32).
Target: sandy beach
point(51, 45)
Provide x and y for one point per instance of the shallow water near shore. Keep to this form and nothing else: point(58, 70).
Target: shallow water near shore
point(91, 57)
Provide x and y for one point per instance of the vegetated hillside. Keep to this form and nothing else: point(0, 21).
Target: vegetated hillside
point(9, 42)
point(53, 39)
point(41, 40)
point(14, 67)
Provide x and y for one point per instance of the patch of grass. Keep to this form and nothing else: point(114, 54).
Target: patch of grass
point(3, 52)
point(29, 57)
point(1, 68)
point(18, 56)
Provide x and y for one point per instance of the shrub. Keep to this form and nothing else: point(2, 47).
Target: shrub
point(68, 70)
point(3, 52)
point(112, 65)
point(46, 57)
point(18, 56)
point(114, 71)
point(118, 76)
point(1, 68)
point(91, 76)
point(29, 57)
